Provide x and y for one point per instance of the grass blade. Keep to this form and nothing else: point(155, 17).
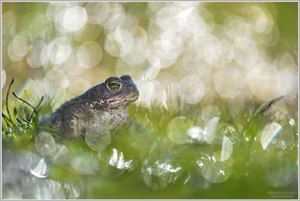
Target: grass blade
point(35, 111)
point(6, 104)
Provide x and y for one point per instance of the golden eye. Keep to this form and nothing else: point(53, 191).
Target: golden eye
point(114, 85)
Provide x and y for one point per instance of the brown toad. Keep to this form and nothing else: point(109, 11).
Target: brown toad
point(103, 104)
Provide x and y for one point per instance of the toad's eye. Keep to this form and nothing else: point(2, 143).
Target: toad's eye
point(114, 85)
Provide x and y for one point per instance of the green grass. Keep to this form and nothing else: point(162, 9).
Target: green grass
point(146, 138)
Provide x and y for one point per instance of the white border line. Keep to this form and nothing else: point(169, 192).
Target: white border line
point(257, 1)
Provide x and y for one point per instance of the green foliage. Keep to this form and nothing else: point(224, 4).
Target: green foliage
point(146, 138)
point(19, 127)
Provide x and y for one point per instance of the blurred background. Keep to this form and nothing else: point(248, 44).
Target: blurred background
point(202, 69)
point(195, 51)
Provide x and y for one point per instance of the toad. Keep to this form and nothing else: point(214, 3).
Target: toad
point(103, 104)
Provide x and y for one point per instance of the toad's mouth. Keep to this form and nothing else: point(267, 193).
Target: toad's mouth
point(131, 98)
point(123, 100)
